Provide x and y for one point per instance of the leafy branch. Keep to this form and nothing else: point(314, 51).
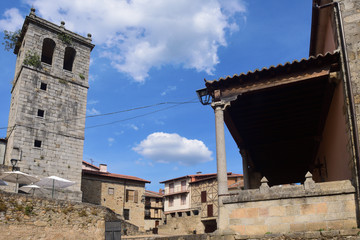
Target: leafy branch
point(11, 39)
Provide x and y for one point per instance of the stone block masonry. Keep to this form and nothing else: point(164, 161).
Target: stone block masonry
point(26, 217)
point(321, 206)
point(48, 104)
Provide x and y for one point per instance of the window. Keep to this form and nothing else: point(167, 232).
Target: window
point(127, 214)
point(40, 113)
point(156, 211)
point(132, 196)
point(183, 199)
point(111, 191)
point(171, 188)
point(43, 86)
point(37, 143)
point(183, 185)
point(69, 58)
point(203, 196)
point(129, 195)
point(157, 200)
point(210, 210)
point(171, 201)
point(47, 51)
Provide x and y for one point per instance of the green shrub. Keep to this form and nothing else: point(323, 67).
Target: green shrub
point(32, 59)
point(28, 210)
point(65, 38)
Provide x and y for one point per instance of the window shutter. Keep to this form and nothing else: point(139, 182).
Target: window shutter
point(203, 196)
point(136, 195)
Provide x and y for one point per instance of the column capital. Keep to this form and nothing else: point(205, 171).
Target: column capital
point(222, 105)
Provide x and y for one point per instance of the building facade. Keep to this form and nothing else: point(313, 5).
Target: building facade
point(48, 102)
point(190, 203)
point(154, 209)
point(123, 194)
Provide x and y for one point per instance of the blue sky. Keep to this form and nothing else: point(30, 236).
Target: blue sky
point(160, 51)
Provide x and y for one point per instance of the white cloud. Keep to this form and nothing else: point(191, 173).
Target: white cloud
point(92, 102)
point(92, 111)
point(168, 89)
point(111, 141)
point(172, 148)
point(12, 20)
point(139, 35)
point(133, 126)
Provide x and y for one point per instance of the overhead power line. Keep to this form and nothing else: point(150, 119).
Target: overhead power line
point(175, 104)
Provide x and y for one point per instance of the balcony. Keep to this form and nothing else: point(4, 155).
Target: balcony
point(176, 190)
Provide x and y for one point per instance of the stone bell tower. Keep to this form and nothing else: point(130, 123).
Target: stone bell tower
point(48, 102)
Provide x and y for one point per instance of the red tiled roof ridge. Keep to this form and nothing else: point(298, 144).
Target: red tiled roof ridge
point(154, 193)
point(272, 67)
point(92, 165)
point(199, 175)
point(115, 175)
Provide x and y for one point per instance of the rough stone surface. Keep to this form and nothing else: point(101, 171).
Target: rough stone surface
point(61, 129)
point(26, 217)
point(325, 206)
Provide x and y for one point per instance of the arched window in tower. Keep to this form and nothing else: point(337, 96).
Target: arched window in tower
point(47, 51)
point(69, 58)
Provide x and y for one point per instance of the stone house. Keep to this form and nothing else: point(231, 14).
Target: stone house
point(154, 209)
point(190, 203)
point(48, 102)
point(123, 194)
point(296, 126)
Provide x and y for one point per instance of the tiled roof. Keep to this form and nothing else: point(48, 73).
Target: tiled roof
point(312, 61)
point(114, 175)
point(149, 193)
point(214, 176)
point(91, 165)
point(199, 177)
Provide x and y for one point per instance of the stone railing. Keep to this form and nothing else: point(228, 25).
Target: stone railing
point(292, 208)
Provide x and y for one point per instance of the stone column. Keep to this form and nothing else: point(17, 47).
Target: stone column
point(219, 108)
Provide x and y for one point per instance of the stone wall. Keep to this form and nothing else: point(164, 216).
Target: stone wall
point(96, 190)
point(26, 217)
point(293, 208)
point(184, 224)
point(350, 10)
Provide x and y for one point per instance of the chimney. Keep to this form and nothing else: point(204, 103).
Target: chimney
point(103, 167)
point(161, 191)
point(198, 172)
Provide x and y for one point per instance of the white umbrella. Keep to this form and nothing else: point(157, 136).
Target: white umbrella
point(3, 183)
point(32, 188)
point(18, 178)
point(54, 182)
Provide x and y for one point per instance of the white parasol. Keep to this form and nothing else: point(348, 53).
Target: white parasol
point(18, 178)
point(32, 189)
point(3, 183)
point(54, 182)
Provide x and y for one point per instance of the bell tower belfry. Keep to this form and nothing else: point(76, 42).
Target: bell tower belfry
point(48, 102)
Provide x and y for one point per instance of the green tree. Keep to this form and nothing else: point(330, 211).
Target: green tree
point(11, 39)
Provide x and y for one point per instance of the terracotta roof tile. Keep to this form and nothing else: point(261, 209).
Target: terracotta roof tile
point(312, 61)
point(149, 193)
point(114, 175)
point(91, 165)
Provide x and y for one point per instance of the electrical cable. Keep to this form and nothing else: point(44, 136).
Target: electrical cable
point(112, 113)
